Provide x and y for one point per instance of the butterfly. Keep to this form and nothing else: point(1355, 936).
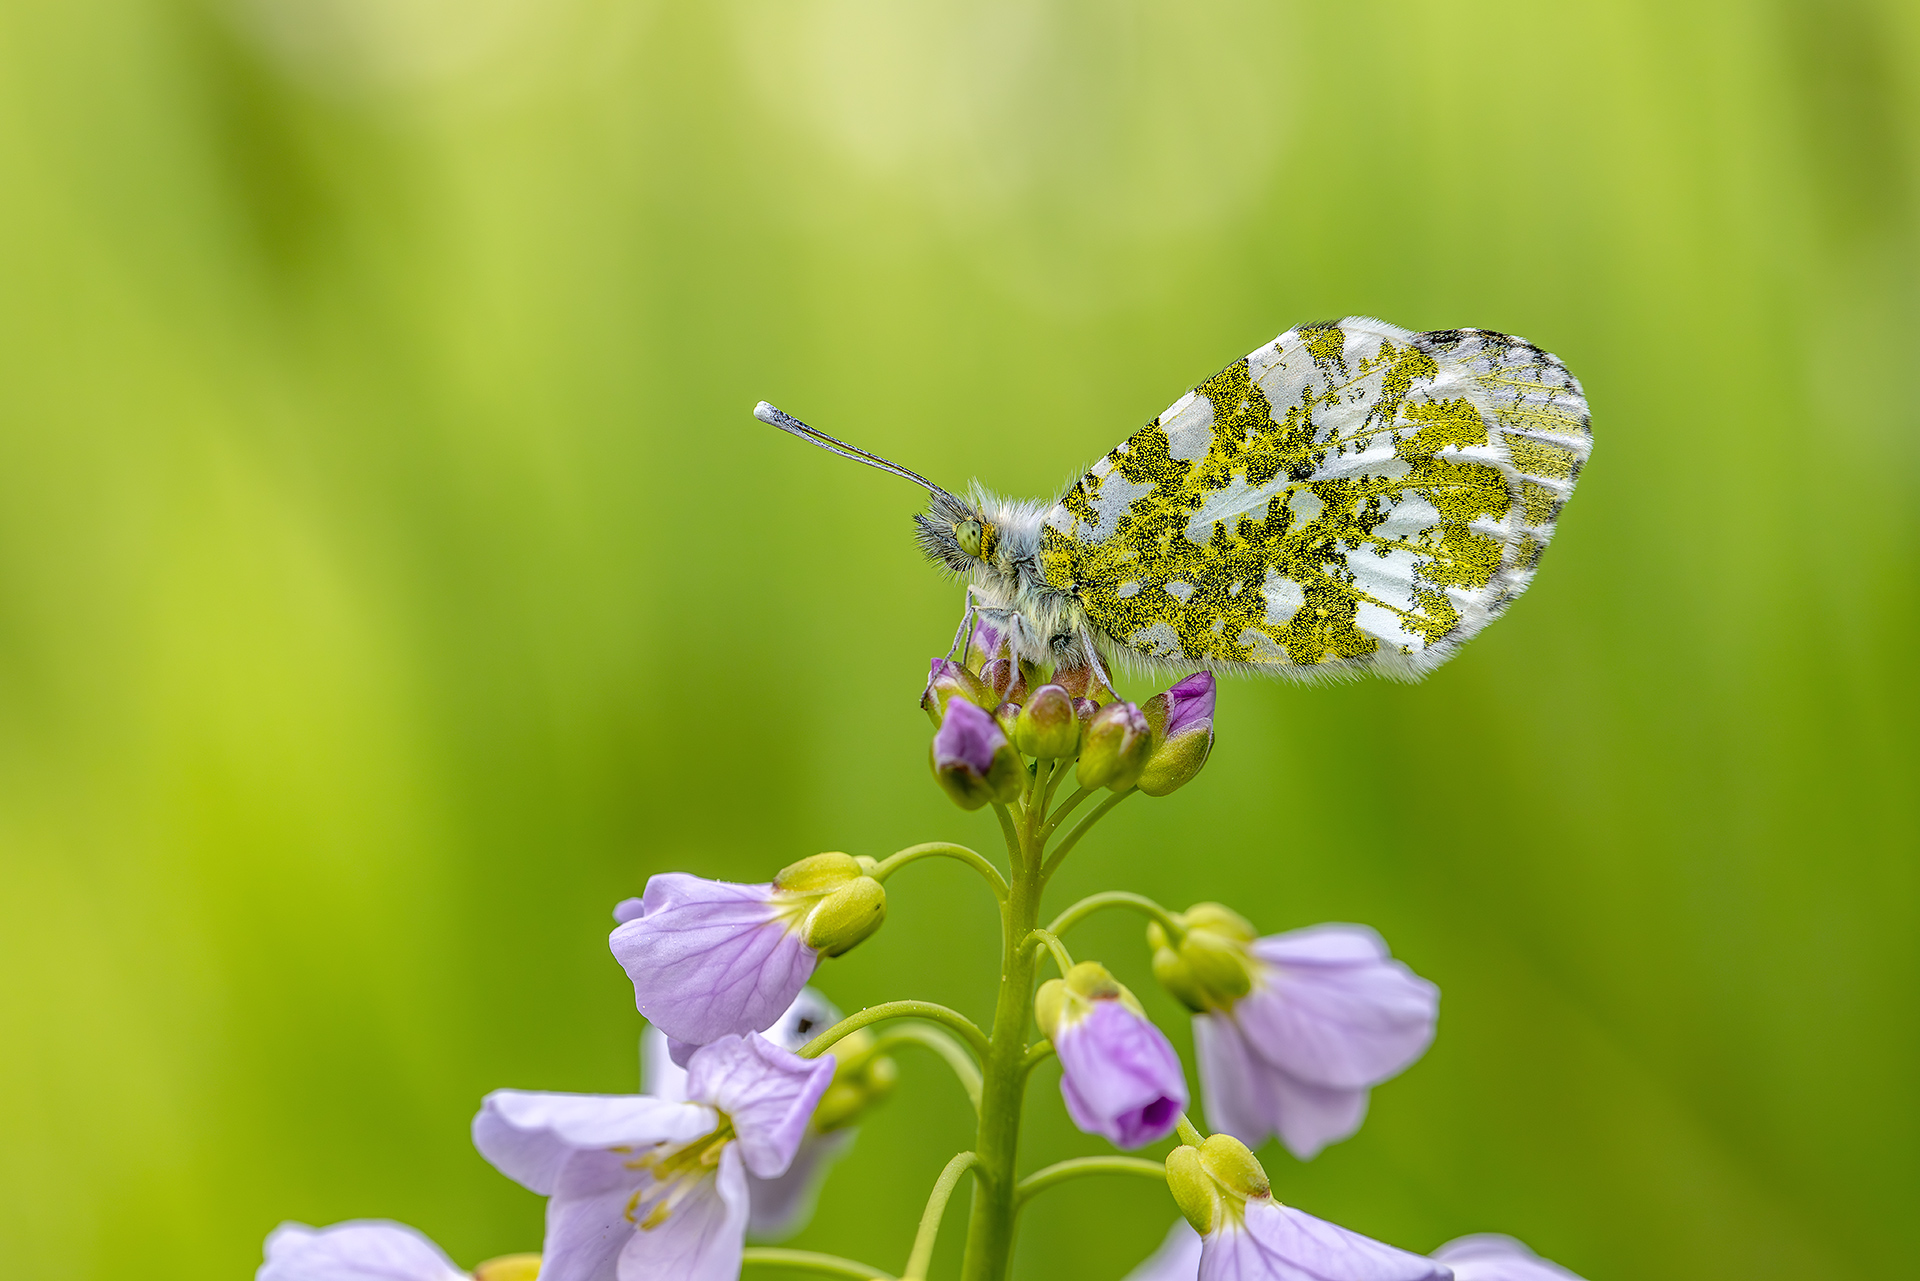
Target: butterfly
point(1352, 497)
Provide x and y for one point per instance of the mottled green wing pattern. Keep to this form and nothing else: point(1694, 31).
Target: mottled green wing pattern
point(1351, 495)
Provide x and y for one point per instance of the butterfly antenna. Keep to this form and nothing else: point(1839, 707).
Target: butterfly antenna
point(814, 436)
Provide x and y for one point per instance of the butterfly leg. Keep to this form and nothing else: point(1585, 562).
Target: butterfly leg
point(1091, 653)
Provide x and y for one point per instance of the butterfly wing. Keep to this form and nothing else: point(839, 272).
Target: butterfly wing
point(1350, 496)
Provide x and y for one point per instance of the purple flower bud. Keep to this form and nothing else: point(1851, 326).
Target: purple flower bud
point(1047, 727)
point(972, 758)
point(1329, 1015)
point(1491, 1257)
point(948, 679)
point(1245, 1235)
point(1119, 1076)
point(1182, 723)
point(1117, 744)
point(987, 642)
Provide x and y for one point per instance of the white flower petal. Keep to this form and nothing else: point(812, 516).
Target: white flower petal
point(701, 1239)
point(361, 1250)
point(529, 1136)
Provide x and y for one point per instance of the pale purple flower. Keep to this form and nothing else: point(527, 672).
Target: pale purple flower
point(1190, 705)
point(642, 1187)
point(1177, 1259)
point(781, 1205)
point(1330, 1015)
point(362, 1250)
point(1118, 1075)
point(1269, 1241)
point(972, 759)
point(1491, 1257)
point(711, 958)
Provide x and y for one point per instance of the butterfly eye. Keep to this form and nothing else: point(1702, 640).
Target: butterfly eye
point(971, 535)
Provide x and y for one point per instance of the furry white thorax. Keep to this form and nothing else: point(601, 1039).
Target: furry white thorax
point(1046, 625)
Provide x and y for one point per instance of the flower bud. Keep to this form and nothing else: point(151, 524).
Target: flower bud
point(838, 904)
point(1081, 682)
point(1205, 1179)
point(1068, 999)
point(1115, 749)
point(512, 1267)
point(1209, 969)
point(948, 679)
point(861, 1079)
point(1182, 724)
point(1047, 727)
point(972, 758)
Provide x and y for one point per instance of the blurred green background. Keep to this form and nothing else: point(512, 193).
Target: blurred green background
point(391, 578)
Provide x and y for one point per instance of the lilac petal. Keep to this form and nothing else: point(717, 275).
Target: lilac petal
point(629, 909)
point(1333, 1009)
point(701, 1238)
point(782, 1205)
point(1276, 1242)
point(589, 1215)
point(1250, 1099)
point(529, 1137)
point(1119, 1076)
point(710, 958)
point(1489, 1256)
point(967, 737)
point(1190, 704)
point(361, 1250)
point(768, 1093)
point(1177, 1259)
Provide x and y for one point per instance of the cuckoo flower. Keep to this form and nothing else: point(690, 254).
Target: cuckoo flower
point(1246, 1235)
point(1182, 723)
point(713, 958)
point(781, 1206)
point(1491, 1257)
point(374, 1250)
point(1293, 1030)
point(972, 759)
point(1118, 1075)
point(642, 1187)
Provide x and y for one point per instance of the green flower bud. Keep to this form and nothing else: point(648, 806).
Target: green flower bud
point(511, 1267)
point(836, 904)
point(1214, 1180)
point(1064, 1000)
point(1047, 727)
point(1115, 749)
point(1210, 968)
point(1081, 682)
point(1182, 723)
point(947, 680)
point(861, 1080)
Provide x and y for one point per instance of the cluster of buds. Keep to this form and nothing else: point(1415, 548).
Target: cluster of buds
point(989, 717)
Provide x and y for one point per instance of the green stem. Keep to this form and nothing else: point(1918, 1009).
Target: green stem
point(990, 1224)
point(959, 1022)
point(1072, 803)
point(1081, 1166)
point(812, 1261)
point(1189, 1134)
point(944, 849)
point(1073, 837)
point(1118, 898)
point(940, 1043)
point(1037, 1053)
point(922, 1255)
point(1051, 941)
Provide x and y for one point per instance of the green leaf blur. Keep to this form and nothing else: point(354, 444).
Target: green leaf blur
point(392, 577)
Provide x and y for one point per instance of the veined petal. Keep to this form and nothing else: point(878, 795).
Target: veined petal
point(1118, 1075)
point(1488, 1256)
point(700, 1239)
point(1275, 1242)
point(590, 1215)
point(768, 1093)
point(360, 1250)
point(530, 1136)
point(1177, 1259)
point(1250, 1099)
point(1332, 1009)
point(710, 958)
